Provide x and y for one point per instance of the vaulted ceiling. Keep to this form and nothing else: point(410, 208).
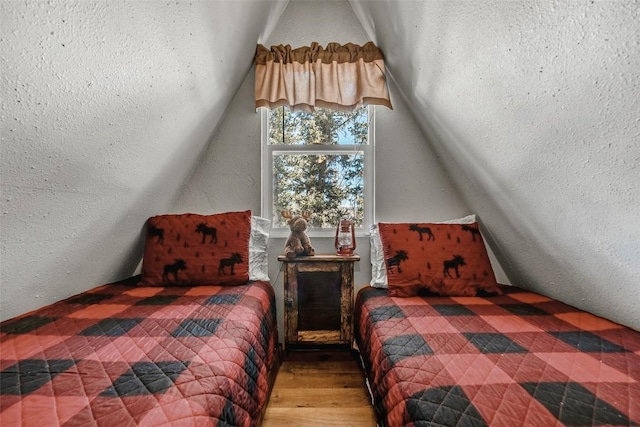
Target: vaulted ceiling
point(530, 107)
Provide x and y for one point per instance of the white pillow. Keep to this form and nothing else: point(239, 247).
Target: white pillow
point(378, 266)
point(258, 259)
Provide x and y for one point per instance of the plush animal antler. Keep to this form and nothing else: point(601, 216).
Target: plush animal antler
point(286, 214)
point(306, 214)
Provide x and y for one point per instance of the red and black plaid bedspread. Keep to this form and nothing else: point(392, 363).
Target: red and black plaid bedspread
point(515, 360)
point(122, 355)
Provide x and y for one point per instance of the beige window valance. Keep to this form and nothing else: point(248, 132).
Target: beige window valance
point(341, 77)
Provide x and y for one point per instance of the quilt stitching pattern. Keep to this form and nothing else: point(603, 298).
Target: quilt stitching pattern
point(125, 355)
point(516, 359)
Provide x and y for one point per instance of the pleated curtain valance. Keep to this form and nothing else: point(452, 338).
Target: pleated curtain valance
point(340, 77)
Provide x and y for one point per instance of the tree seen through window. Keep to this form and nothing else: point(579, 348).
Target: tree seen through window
point(318, 164)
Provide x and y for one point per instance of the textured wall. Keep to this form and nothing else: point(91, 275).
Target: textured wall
point(533, 108)
point(106, 107)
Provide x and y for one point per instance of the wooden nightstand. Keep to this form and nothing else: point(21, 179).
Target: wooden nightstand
point(318, 300)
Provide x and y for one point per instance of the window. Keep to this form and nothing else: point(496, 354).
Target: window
point(319, 161)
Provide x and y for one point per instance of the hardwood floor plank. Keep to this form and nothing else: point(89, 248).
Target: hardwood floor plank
point(312, 417)
point(309, 380)
point(319, 398)
point(320, 367)
point(320, 393)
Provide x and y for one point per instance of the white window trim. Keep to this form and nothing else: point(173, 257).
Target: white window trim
point(266, 188)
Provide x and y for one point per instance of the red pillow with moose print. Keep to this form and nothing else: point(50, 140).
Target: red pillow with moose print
point(443, 259)
point(190, 249)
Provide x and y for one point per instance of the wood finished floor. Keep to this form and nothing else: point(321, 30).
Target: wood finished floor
point(320, 393)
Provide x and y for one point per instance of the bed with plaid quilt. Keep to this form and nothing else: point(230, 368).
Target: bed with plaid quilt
point(123, 355)
point(520, 359)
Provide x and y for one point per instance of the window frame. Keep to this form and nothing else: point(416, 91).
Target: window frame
point(268, 151)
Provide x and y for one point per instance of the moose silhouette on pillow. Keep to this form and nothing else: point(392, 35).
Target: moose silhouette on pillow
point(445, 259)
point(191, 249)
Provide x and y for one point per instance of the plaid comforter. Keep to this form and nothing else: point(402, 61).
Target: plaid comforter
point(520, 359)
point(122, 355)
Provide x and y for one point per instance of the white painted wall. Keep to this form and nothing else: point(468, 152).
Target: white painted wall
point(106, 108)
point(410, 183)
point(533, 108)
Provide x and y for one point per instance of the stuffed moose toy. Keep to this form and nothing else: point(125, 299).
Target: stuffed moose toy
point(298, 243)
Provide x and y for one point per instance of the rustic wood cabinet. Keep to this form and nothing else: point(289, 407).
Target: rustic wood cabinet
point(318, 300)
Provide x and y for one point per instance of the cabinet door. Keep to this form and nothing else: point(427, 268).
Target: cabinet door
point(318, 295)
point(313, 302)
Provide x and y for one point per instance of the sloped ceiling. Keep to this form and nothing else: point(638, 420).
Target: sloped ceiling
point(531, 107)
point(106, 107)
point(533, 110)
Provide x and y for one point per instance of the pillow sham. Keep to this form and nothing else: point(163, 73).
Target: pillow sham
point(192, 249)
point(378, 267)
point(258, 259)
point(436, 258)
